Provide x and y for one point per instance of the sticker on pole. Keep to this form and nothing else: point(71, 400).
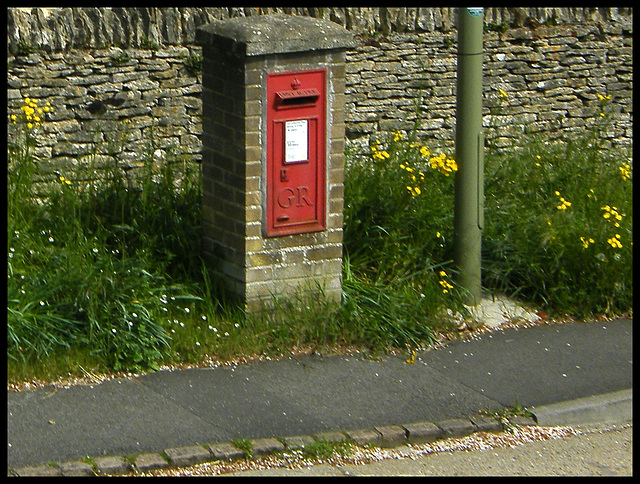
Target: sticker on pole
point(475, 11)
point(296, 140)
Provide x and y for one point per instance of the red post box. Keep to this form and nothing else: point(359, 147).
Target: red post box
point(296, 179)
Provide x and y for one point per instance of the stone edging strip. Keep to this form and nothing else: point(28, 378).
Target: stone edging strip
point(382, 436)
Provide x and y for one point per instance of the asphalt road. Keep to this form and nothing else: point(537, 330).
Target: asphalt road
point(542, 367)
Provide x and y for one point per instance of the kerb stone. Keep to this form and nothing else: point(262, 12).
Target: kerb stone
point(185, 456)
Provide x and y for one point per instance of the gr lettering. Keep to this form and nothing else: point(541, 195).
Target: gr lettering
point(299, 195)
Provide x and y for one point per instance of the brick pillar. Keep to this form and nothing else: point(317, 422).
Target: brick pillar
point(238, 54)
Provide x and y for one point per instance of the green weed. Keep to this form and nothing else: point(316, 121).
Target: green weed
point(559, 227)
point(245, 446)
point(398, 274)
point(90, 260)
point(326, 449)
point(104, 270)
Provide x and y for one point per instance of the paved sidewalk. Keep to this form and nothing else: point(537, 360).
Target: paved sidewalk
point(171, 412)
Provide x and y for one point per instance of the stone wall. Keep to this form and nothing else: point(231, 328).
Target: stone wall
point(122, 77)
point(542, 79)
point(118, 102)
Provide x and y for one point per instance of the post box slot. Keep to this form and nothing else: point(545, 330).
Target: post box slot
point(297, 98)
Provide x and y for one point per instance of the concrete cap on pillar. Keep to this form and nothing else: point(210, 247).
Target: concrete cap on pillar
point(275, 34)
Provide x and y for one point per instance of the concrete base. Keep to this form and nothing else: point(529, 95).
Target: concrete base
point(494, 311)
point(614, 407)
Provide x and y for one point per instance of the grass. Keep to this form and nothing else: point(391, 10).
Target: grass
point(571, 250)
point(245, 446)
point(507, 415)
point(559, 229)
point(104, 273)
point(326, 449)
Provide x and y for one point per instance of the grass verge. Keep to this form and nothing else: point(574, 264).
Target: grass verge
point(104, 273)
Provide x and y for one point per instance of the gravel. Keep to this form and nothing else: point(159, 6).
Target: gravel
point(363, 454)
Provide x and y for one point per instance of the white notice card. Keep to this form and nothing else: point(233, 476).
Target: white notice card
point(295, 141)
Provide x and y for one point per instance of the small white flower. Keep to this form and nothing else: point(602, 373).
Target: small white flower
point(186, 310)
point(95, 251)
point(204, 318)
point(134, 315)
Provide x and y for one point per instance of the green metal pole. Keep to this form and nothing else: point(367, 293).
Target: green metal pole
point(469, 191)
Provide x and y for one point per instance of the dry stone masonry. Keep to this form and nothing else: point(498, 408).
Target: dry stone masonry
point(121, 77)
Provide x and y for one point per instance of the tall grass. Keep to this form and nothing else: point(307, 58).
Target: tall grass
point(91, 258)
point(559, 227)
point(558, 215)
point(398, 277)
point(104, 268)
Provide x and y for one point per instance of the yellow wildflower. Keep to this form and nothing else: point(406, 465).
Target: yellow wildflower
point(414, 190)
point(586, 242)
point(625, 171)
point(381, 155)
point(564, 204)
point(445, 286)
point(378, 154)
point(443, 164)
point(615, 242)
point(611, 213)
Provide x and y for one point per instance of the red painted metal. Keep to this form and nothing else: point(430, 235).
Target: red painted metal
point(296, 164)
